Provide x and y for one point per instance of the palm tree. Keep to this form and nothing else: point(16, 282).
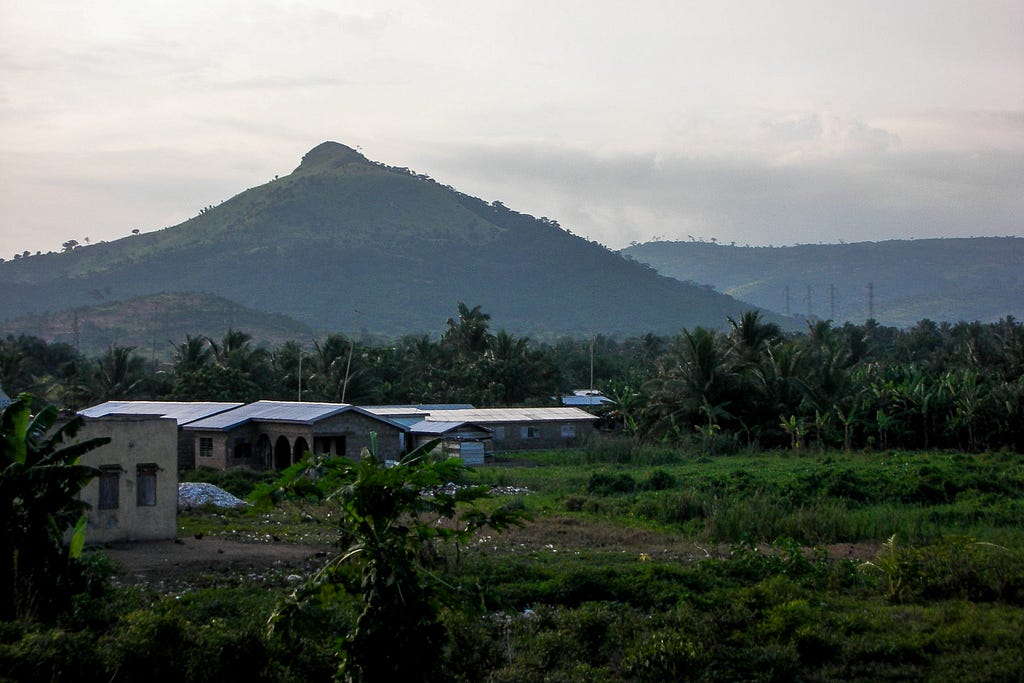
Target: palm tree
point(751, 336)
point(118, 374)
point(695, 373)
point(191, 355)
point(469, 333)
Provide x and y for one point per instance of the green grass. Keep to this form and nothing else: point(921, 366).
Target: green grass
point(940, 599)
point(815, 498)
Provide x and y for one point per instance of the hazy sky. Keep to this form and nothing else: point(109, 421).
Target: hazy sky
point(772, 122)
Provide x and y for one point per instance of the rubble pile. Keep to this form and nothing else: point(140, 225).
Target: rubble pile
point(451, 488)
point(194, 494)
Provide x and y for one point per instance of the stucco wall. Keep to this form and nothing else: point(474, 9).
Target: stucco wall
point(350, 428)
point(509, 436)
point(134, 441)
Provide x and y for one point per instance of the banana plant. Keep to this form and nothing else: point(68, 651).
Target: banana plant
point(388, 520)
point(40, 479)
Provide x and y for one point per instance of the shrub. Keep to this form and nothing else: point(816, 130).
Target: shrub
point(605, 484)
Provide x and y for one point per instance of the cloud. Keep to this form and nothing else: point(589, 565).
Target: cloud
point(816, 178)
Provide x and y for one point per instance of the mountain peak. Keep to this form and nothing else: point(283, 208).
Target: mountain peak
point(331, 155)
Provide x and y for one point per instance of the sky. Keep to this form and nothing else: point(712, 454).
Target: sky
point(755, 122)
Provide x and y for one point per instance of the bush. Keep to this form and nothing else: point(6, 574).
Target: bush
point(238, 481)
point(605, 484)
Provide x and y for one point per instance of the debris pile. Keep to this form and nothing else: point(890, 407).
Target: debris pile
point(451, 488)
point(193, 494)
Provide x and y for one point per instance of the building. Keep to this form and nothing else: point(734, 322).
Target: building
point(182, 412)
point(135, 497)
point(523, 429)
point(275, 434)
point(585, 398)
point(464, 440)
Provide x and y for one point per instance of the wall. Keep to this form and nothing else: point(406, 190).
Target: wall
point(135, 441)
point(508, 436)
point(353, 426)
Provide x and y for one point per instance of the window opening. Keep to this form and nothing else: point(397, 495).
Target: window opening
point(110, 484)
point(145, 485)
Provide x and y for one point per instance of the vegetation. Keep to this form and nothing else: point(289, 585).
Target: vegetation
point(941, 279)
point(389, 520)
point(39, 483)
point(851, 387)
point(400, 246)
point(841, 504)
point(604, 584)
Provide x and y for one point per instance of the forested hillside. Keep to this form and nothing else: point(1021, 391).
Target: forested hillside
point(899, 282)
point(346, 244)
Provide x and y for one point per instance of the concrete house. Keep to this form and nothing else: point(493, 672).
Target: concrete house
point(182, 412)
point(520, 429)
point(136, 495)
point(275, 434)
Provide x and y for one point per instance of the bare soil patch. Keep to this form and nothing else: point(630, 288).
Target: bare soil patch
point(192, 562)
point(567, 534)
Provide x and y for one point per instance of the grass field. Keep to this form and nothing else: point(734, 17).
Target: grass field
point(639, 564)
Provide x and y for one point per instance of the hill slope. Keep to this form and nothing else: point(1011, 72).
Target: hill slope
point(942, 279)
point(344, 243)
point(153, 323)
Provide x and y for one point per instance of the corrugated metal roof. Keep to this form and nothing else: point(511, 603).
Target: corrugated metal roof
point(438, 427)
point(274, 411)
point(428, 427)
point(283, 411)
point(486, 415)
point(585, 400)
point(395, 411)
point(183, 412)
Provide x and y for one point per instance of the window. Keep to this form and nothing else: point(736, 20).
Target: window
point(145, 485)
point(205, 447)
point(499, 433)
point(242, 448)
point(529, 432)
point(110, 482)
point(568, 431)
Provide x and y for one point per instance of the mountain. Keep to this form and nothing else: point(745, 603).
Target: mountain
point(344, 244)
point(978, 278)
point(153, 323)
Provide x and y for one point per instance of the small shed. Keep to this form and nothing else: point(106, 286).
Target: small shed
point(463, 440)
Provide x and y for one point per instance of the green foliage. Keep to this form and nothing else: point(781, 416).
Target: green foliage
point(387, 520)
point(238, 481)
point(40, 479)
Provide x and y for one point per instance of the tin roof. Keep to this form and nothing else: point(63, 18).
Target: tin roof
point(585, 400)
point(183, 412)
point(438, 427)
point(274, 411)
point(486, 415)
point(282, 411)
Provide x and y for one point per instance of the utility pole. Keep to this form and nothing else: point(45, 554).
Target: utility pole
point(300, 374)
point(871, 301)
point(831, 301)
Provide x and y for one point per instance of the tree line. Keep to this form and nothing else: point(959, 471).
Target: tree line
point(935, 385)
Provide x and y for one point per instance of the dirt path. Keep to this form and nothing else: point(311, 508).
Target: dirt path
point(211, 561)
point(214, 560)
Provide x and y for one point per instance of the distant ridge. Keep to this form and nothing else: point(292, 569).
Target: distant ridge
point(978, 278)
point(152, 324)
point(345, 244)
